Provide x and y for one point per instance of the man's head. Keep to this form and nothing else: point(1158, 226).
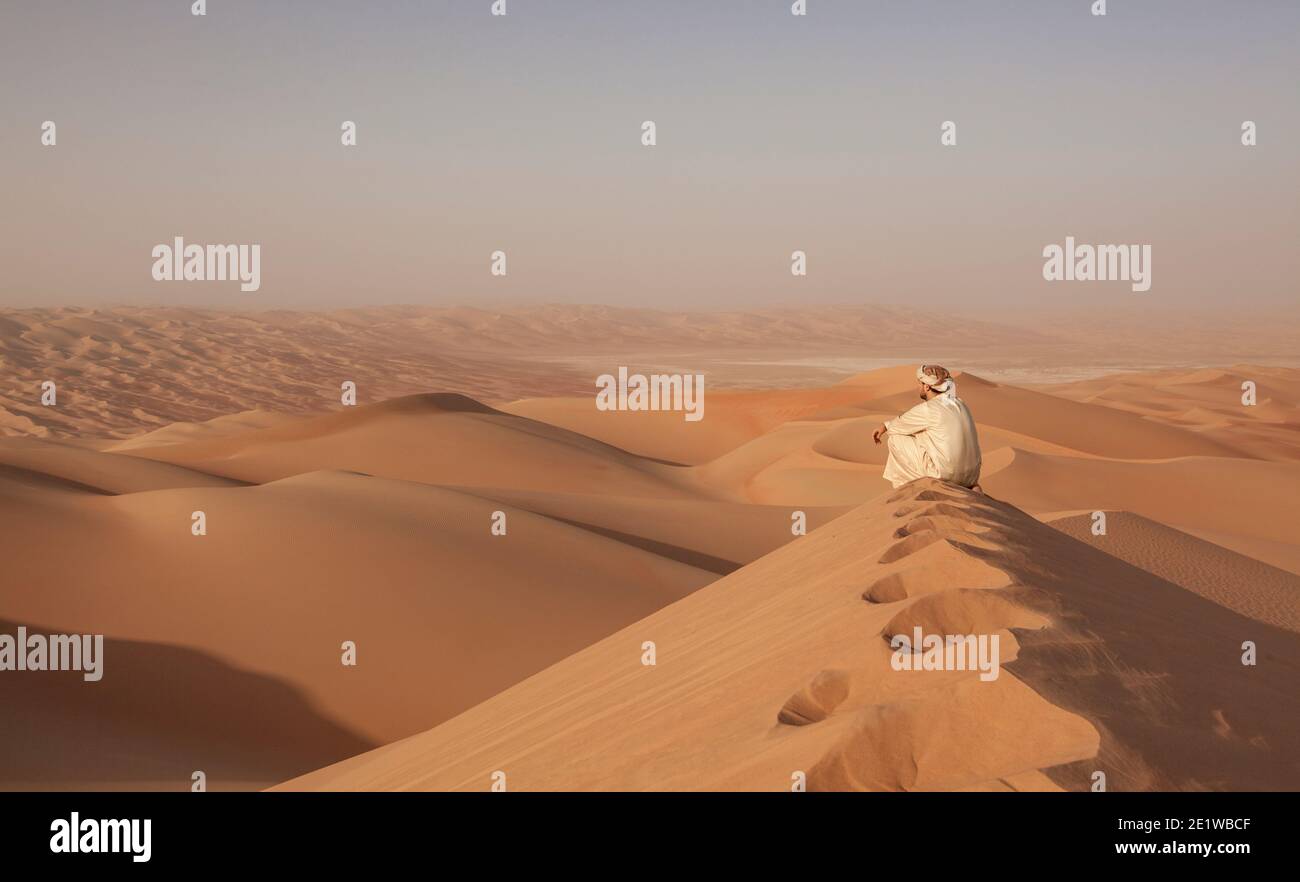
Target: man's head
point(934, 380)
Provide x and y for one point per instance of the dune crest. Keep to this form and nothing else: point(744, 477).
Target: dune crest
point(782, 668)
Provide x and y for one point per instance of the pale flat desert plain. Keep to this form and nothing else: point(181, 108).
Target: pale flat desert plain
point(1163, 653)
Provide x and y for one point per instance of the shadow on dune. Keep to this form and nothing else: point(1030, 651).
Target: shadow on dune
point(1157, 669)
point(42, 480)
point(697, 559)
point(159, 714)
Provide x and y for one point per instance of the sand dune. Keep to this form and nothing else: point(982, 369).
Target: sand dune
point(1106, 664)
point(716, 536)
point(733, 418)
point(289, 570)
point(1243, 502)
point(123, 370)
point(433, 438)
point(208, 430)
point(443, 616)
point(166, 712)
point(101, 471)
point(522, 652)
point(1240, 583)
point(1086, 428)
point(1209, 402)
point(118, 370)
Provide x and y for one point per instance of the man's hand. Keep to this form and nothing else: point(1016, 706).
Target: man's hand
point(879, 433)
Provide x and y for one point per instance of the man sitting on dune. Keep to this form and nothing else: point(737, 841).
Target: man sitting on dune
point(936, 438)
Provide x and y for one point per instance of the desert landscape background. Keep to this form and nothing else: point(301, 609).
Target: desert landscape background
point(471, 216)
point(521, 653)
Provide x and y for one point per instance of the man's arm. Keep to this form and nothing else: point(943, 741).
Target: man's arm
point(918, 419)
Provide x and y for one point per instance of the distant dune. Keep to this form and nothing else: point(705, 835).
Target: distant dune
point(521, 652)
point(123, 371)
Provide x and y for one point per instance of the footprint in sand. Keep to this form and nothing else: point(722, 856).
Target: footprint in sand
point(897, 586)
point(938, 523)
point(816, 701)
point(924, 531)
point(948, 509)
point(963, 611)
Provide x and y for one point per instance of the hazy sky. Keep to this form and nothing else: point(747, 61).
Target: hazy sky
point(775, 133)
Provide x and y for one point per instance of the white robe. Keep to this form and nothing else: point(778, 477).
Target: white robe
point(935, 439)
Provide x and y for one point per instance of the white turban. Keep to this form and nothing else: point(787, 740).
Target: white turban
point(946, 388)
